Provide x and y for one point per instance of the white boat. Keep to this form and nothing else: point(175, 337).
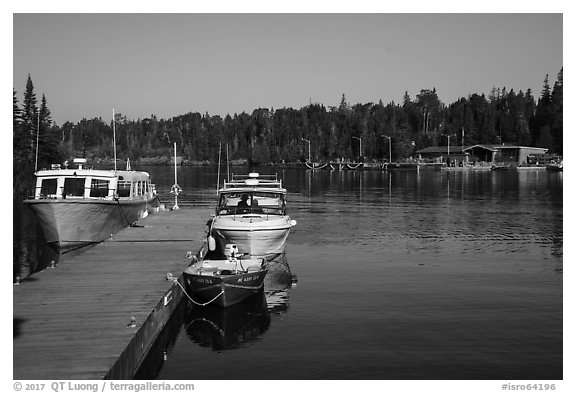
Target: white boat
point(556, 166)
point(78, 206)
point(251, 213)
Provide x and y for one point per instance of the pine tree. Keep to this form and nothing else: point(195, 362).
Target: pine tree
point(18, 141)
point(544, 118)
point(45, 116)
point(48, 146)
point(16, 118)
point(29, 117)
point(557, 126)
point(406, 100)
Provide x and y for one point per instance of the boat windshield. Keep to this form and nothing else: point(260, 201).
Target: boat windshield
point(254, 202)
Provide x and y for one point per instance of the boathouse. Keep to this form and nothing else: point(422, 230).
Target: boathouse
point(450, 155)
point(456, 155)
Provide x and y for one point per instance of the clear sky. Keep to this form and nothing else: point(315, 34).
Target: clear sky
point(170, 64)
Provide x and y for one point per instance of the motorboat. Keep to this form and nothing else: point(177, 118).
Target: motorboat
point(251, 212)
point(77, 206)
point(555, 166)
point(224, 281)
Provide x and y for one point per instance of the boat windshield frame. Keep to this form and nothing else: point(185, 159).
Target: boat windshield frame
point(261, 202)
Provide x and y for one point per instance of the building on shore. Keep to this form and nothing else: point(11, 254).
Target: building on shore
point(482, 154)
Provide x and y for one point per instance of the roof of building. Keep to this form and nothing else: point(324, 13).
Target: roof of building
point(456, 149)
point(443, 149)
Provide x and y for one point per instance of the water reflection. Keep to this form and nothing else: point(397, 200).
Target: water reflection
point(235, 327)
point(231, 327)
point(224, 329)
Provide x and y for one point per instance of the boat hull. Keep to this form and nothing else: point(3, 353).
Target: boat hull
point(68, 224)
point(554, 168)
point(254, 235)
point(224, 290)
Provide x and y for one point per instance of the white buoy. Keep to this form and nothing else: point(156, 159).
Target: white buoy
point(211, 243)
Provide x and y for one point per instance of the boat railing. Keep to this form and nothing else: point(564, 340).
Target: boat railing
point(260, 176)
point(270, 181)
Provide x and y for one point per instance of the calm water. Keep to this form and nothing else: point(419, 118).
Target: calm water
point(427, 275)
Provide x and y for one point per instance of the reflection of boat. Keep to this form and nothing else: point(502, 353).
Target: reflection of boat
point(78, 206)
point(228, 328)
point(278, 283)
point(251, 213)
point(225, 281)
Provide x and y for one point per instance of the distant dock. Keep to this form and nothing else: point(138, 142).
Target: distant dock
point(96, 315)
point(384, 166)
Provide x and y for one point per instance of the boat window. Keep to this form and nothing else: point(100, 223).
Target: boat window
point(123, 189)
point(99, 188)
point(48, 188)
point(73, 187)
point(258, 203)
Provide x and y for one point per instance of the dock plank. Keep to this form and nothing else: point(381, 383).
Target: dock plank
point(70, 322)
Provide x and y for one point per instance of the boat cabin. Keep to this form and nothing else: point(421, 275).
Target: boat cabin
point(252, 194)
point(251, 202)
point(80, 183)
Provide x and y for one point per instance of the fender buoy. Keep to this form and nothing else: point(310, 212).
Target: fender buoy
point(211, 243)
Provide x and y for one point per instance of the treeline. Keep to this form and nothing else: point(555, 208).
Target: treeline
point(282, 135)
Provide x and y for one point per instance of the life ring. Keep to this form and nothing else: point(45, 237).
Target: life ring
point(176, 189)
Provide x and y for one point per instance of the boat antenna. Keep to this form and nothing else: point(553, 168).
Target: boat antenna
point(228, 162)
point(176, 190)
point(37, 140)
point(114, 136)
point(218, 179)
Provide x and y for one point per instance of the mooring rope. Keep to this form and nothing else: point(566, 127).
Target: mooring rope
point(122, 212)
point(175, 280)
point(216, 327)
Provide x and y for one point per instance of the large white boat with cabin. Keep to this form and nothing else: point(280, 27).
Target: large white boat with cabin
point(251, 213)
point(77, 206)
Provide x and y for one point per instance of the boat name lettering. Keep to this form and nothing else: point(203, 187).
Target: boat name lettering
point(203, 280)
point(245, 279)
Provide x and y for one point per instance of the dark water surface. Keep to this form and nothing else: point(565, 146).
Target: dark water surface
point(408, 275)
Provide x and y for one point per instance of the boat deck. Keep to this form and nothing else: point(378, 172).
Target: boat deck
point(74, 321)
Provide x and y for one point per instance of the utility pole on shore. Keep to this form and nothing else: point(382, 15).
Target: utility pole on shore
point(306, 140)
point(389, 147)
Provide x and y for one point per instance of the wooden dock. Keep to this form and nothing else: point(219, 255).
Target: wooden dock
point(72, 321)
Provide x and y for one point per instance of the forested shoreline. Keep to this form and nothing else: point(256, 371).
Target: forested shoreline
point(282, 135)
